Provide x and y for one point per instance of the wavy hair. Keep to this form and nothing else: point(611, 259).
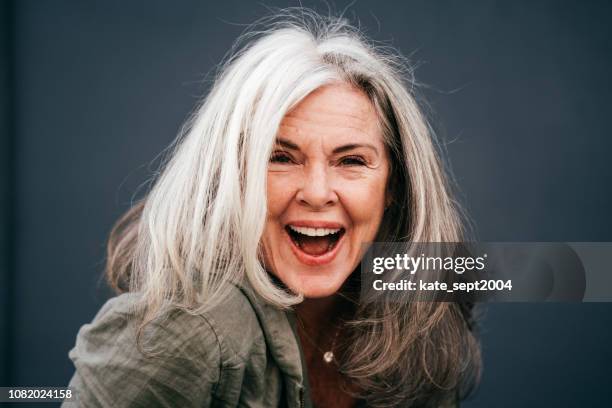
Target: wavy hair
point(199, 227)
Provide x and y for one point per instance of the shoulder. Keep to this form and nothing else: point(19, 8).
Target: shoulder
point(177, 349)
point(231, 325)
point(114, 367)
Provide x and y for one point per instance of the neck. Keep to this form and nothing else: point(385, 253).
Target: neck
point(322, 317)
point(320, 313)
point(323, 313)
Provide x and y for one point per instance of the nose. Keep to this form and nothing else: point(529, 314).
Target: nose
point(316, 190)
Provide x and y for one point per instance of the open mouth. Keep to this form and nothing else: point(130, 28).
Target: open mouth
point(315, 241)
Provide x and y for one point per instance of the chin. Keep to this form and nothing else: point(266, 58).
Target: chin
point(317, 293)
point(318, 286)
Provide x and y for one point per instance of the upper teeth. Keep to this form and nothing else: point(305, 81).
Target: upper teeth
point(314, 232)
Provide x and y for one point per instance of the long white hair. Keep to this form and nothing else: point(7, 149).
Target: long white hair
point(199, 228)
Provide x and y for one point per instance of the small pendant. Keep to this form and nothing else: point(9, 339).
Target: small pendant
point(328, 357)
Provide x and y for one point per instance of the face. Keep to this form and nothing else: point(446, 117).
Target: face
point(327, 190)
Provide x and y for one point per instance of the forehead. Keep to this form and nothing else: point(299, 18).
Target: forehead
point(337, 112)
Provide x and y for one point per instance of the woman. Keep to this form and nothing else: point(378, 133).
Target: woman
point(239, 271)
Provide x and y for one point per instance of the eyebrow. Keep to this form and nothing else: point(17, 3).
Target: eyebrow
point(340, 149)
point(287, 144)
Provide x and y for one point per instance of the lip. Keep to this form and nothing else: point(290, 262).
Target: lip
point(312, 260)
point(316, 224)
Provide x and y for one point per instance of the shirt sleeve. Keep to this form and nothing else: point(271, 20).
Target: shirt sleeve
point(179, 366)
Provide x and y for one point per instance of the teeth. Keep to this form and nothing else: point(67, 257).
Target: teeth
point(314, 232)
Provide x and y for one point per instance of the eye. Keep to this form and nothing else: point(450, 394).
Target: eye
point(352, 161)
point(281, 157)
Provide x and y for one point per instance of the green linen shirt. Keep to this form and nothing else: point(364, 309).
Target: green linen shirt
point(241, 353)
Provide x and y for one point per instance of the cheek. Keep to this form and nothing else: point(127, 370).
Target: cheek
point(364, 201)
point(279, 193)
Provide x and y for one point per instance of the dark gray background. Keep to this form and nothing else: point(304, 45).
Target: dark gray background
point(93, 91)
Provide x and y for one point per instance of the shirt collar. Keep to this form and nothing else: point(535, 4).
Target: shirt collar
point(278, 326)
